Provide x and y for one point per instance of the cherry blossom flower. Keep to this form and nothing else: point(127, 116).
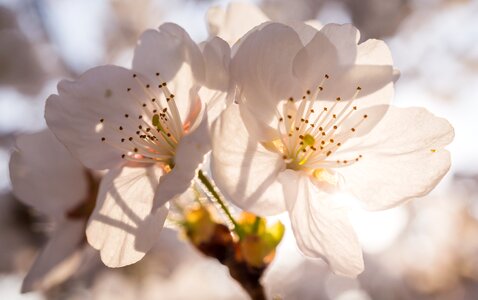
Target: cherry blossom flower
point(238, 18)
point(46, 177)
point(313, 118)
point(147, 126)
point(232, 23)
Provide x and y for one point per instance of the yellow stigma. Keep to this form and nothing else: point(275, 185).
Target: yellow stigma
point(308, 140)
point(155, 120)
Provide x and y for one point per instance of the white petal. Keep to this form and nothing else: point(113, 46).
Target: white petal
point(262, 68)
point(172, 53)
point(374, 52)
point(245, 172)
point(232, 24)
point(360, 124)
point(165, 51)
point(46, 176)
point(319, 64)
point(217, 57)
point(316, 59)
point(345, 39)
point(59, 259)
point(189, 155)
point(217, 101)
point(403, 158)
point(105, 102)
point(373, 72)
point(314, 23)
point(375, 82)
point(320, 226)
point(305, 31)
point(125, 200)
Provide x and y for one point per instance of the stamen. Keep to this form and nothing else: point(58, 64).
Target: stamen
point(298, 132)
point(145, 145)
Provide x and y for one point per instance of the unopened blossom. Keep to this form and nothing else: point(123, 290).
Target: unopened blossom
point(46, 177)
point(313, 118)
point(147, 126)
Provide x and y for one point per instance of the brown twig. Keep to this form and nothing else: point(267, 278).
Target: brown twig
point(223, 247)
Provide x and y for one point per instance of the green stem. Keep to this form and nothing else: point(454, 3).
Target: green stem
point(208, 185)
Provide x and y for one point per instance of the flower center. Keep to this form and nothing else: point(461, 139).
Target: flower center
point(149, 127)
point(312, 130)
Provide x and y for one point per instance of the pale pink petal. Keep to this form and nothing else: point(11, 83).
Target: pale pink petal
point(165, 51)
point(217, 102)
point(358, 123)
point(189, 155)
point(305, 31)
point(45, 175)
point(231, 24)
point(345, 39)
point(217, 56)
point(319, 57)
point(99, 116)
point(172, 54)
point(374, 52)
point(314, 23)
point(59, 259)
point(375, 59)
point(117, 225)
point(358, 78)
point(245, 172)
point(402, 158)
point(262, 68)
point(366, 85)
point(321, 227)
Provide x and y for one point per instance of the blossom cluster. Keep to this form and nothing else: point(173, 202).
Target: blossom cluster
point(281, 116)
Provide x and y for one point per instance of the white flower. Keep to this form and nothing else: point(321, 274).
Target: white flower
point(231, 24)
point(313, 118)
point(147, 126)
point(46, 177)
point(238, 18)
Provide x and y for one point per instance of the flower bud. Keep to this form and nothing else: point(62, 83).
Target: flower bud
point(199, 225)
point(260, 241)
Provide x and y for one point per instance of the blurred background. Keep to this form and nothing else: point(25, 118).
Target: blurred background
point(427, 249)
